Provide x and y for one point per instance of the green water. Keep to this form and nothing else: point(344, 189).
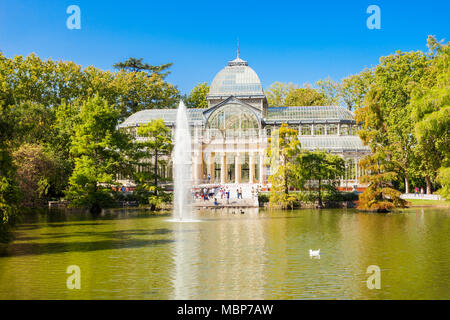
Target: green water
point(257, 255)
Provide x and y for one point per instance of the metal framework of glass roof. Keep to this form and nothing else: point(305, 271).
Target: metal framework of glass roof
point(275, 115)
point(169, 116)
point(237, 79)
point(308, 114)
point(333, 143)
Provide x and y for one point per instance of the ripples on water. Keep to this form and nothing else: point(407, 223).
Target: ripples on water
point(134, 255)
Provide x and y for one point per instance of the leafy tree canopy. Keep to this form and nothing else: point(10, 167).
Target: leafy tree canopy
point(100, 152)
point(136, 65)
point(197, 97)
point(304, 97)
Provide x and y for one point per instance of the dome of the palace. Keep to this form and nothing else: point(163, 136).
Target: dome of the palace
point(236, 79)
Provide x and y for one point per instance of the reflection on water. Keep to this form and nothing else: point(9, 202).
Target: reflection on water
point(229, 255)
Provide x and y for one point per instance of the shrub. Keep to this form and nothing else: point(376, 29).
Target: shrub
point(263, 198)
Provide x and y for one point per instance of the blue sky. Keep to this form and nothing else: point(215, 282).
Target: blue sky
point(289, 41)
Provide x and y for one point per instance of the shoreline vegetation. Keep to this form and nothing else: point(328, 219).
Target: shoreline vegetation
point(59, 138)
point(429, 203)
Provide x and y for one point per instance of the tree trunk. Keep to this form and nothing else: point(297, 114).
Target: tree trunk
point(406, 184)
point(320, 195)
point(428, 180)
point(156, 172)
point(286, 188)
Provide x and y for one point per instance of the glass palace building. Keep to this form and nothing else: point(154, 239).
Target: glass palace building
point(229, 138)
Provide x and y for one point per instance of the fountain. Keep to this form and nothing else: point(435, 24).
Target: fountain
point(182, 165)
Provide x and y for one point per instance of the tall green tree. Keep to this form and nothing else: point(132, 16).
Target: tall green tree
point(276, 94)
point(100, 152)
point(156, 144)
point(9, 193)
point(331, 90)
point(197, 97)
point(430, 105)
point(354, 88)
point(386, 112)
point(304, 97)
point(381, 170)
point(51, 83)
point(322, 171)
point(283, 151)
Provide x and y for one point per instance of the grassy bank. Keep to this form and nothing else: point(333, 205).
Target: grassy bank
point(429, 203)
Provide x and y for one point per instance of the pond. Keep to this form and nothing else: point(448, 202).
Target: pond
point(132, 254)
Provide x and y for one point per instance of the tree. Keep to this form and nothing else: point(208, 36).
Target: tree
point(100, 152)
point(49, 83)
point(379, 196)
point(381, 171)
point(387, 110)
point(444, 179)
point(9, 195)
point(331, 90)
point(197, 97)
point(136, 65)
point(34, 125)
point(157, 143)
point(276, 94)
point(141, 85)
point(37, 174)
point(305, 97)
point(322, 170)
point(430, 105)
point(355, 87)
point(282, 154)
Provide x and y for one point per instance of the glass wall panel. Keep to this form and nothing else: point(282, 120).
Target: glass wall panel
point(234, 121)
point(332, 129)
point(306, 130)
point(245, 168)
point(319, 130)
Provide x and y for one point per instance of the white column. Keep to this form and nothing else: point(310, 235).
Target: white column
point(223, 168)
point(261, 168)
point(251, 176)
point(211, 166)
point(237, 168)
point(356, 170)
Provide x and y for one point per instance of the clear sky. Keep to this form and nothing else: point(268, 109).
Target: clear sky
point(289, 41)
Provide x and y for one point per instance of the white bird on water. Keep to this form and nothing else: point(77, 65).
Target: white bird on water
point(314, 253)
